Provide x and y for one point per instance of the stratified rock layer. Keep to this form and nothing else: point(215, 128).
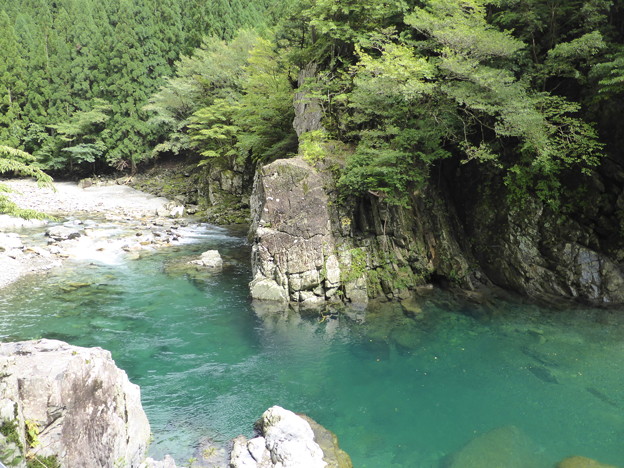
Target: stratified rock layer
point(75, 402)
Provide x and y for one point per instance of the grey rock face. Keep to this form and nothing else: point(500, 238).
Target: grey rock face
point(545, 256)
point(286, 440)
point(309, 250)
point(308, 112)
point(294, 252)
point(83, 408)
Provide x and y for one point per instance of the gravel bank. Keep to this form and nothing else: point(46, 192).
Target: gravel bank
point(20, 254)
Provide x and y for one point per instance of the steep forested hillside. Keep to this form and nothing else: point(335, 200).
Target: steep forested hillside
point(76, 74)
point(525, 89)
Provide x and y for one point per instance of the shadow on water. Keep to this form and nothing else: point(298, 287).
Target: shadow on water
point(424, 383)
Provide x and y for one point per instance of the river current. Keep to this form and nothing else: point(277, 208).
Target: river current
point(399, 389)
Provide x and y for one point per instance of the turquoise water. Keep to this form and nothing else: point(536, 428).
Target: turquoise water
point(399, 391)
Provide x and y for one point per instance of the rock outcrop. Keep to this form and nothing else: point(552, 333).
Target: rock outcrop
point(546, 255)
point(294, 253)
point(308, 249)
point(68, 404)
point(286, 440)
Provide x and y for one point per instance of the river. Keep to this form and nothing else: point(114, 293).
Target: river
point(399, 390)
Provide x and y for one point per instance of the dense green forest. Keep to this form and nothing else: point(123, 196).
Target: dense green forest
point(75, 75)
point(529, 89)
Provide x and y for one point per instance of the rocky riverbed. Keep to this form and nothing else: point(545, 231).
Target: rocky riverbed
point(100, 222)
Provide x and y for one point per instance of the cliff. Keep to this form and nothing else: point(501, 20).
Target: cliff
point(311, 247)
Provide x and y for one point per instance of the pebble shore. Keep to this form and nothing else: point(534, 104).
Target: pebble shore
point(143, 218)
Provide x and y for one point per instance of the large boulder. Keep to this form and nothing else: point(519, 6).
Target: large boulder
point(293, 244)
point(286, 440)
point(71, 404)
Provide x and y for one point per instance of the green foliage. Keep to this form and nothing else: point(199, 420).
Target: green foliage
point(36, 461)
point(358, 265)
point(313, 146)
point(9, 430)
point(80, 139)
point(20, 163)
point(228, 100)
point(59, 59)
point(413, 86)
point(32, 433)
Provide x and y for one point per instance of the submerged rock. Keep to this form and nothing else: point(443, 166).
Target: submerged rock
point(71, 404)
point(505, 447)
point(286, 440)
point(582, 462)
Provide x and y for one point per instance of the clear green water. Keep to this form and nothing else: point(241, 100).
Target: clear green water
point(399, 391)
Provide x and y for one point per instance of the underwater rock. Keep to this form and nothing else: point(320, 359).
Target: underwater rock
point(286, 440)
point(543, 374)
point(602, 397)
point(70, 403)
point(582, 462)
point(505, 447)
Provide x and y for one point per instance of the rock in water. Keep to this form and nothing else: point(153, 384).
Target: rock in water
point(286, 440)
point(71, 403)
point(62, 233)
point(210, 259)
point(506, 447)
point(543, 374)
point(333, 455)
point(582, 462)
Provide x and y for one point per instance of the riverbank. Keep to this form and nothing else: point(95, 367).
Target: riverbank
point(102, 221)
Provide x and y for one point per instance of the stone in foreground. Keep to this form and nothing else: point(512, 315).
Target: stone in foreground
point(286, 440)
point(71, 403)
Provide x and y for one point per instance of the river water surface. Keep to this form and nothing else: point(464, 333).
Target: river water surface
point(400, 390)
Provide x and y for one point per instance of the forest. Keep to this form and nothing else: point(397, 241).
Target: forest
point(527, 90)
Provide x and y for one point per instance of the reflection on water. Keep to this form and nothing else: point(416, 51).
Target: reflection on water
point(401, 386)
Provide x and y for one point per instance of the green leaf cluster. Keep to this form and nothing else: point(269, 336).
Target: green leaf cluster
point(17, 162)
point(228, 101)
point(408, 84)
